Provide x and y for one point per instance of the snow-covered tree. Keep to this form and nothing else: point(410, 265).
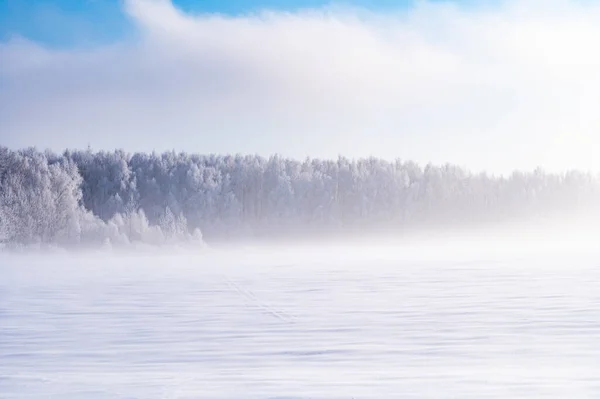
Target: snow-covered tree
point(83, 196)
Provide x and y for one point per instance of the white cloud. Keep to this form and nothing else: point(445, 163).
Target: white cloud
point(509, 86)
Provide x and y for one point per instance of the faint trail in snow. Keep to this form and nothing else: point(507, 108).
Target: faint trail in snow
point(250, 296)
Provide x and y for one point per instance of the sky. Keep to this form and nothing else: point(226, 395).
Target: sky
point(489, 85)
point(63, 23)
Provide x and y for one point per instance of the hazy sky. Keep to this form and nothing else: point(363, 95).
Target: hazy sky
point(494, 85)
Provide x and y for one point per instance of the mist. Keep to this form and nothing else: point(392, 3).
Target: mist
point(86, 198)
point(322, 203)
point(303, 321)
point(128, 275)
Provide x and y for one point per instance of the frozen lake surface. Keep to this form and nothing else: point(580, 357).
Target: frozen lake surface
point(300, 324)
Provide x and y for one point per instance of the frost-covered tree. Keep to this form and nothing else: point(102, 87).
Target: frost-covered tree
point(39, 198)
point(120, 197)
point(42, 200)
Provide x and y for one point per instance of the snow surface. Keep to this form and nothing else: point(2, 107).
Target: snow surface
point(301, 323)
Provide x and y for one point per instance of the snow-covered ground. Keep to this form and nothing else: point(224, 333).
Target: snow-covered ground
point(328, 322)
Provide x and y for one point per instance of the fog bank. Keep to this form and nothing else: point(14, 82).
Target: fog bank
point(85, 198)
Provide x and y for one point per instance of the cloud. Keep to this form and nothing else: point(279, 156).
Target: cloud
point(512, 85)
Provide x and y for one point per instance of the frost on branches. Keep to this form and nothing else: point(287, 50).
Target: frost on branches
point(99, 198)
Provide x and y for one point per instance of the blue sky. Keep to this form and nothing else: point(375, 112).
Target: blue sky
point(61, 23)
point(80, 22)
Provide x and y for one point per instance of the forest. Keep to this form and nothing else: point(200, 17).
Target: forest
point(89, 198)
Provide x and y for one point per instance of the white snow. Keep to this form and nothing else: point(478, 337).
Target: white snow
point(327, 322)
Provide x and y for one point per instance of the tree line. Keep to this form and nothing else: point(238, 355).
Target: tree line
point(113, 197)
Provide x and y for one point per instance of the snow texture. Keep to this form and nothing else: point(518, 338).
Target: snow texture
point(319, 323)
